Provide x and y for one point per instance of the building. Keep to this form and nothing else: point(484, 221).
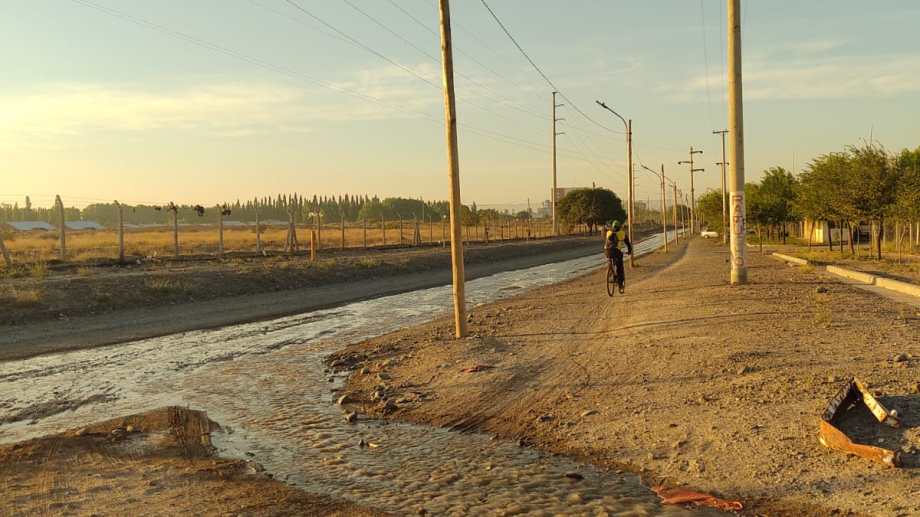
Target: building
point(83, 225)
point(30, 226)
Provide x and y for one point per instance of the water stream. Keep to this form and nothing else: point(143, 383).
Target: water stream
point(265, 384)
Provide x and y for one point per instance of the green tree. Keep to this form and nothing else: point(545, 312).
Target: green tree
point(777, 197)
point(709, 206)
point(591, 206)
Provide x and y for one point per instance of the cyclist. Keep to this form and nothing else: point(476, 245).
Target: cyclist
point(615, 234)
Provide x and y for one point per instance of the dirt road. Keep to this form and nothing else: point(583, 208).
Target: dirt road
point(684, 378)
point(212, 295)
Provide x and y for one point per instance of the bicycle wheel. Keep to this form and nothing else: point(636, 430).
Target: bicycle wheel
point(611, 280)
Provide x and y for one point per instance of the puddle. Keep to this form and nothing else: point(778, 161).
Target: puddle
point(265, 383)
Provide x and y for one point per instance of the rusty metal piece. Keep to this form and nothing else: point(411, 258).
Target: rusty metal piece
point(853, 392)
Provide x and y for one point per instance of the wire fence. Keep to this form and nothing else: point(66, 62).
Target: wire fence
point(233, 238)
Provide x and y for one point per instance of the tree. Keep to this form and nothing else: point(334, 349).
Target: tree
point(873, 180)
point(777, 196)
point(591, 206)
point(709, 206)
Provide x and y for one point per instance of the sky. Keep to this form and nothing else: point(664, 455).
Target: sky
point(218, 100)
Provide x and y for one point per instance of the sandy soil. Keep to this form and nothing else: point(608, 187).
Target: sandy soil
point(157, 463)
point(684, 378)
point(79, 311)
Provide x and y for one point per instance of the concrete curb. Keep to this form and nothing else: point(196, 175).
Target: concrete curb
point(859, 276)
point(788, 258)
point(899, 286)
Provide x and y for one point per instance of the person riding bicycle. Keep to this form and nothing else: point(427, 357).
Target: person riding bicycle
point(614, 235)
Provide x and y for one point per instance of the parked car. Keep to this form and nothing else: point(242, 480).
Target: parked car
point(709, 234)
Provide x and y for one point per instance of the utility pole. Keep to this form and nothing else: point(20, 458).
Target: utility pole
point(121, 232)
point(723, 164)
point(674, 209)
point(664, 224)
point(62, 230)
point(555, 134)
point(693, 222)
point(450, 119)
point(629, 209)
point(736, 153)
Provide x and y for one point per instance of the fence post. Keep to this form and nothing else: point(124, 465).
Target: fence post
point(121, 232)
point(313, 245)
point(364, 227)
point(220, 229)
point(63, 227)
point(175, 211)
point(258, 233)
point(342, 222)
point(4, 251)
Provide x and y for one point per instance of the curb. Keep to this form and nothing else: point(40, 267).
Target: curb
point(859, 276)
point(899, 286)
point(788, 258)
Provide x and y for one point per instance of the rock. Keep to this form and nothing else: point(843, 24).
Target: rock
point(743, 370)
point(82, 431)
point(362, 443)
point(544, 418)
point(351, 417)
point(365, 370)
point(344, 399)
point(378, 395)
point(588, 413)
point(129, 429)
point(900, 358)
point(575, 476)
point(833, 378)
point(383, 376)
point(820, 289)
point(917, 387)
point(389, 407)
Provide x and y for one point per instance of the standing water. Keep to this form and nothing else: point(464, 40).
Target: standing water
point(264, 383)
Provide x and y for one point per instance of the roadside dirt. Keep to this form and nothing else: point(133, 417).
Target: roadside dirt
point(126, 304)
point(684, 378)
point(156, 463)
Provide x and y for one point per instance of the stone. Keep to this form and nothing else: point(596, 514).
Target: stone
point(389, 407)
point(544, 418)
point(351, 417)
point(743, 370)
point(365, 370)
point(344, 399)
point(900, 358)
point(383, 376)
point(129, 429)
point(588, 413)
point(575, 476)
point(362, 443)
point(820, 289)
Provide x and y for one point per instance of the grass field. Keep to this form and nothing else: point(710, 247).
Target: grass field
point(38, 247)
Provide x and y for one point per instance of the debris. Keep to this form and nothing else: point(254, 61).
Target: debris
point(365, 370)
point(389, 407)
point(900, 358)
point(351, 417)
point(344, 399)
point(129, 428)
point(575, 476)
point(588, 413)
point(477, 368)
point(743, 370)
point(544, 418)
point(852, 392)
point(682, 496)
point(820, 289)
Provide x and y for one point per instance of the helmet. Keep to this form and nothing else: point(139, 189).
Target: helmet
point(615, 225)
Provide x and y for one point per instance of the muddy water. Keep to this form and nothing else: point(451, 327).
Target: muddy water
point(265, 383)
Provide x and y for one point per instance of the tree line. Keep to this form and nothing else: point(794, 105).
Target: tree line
point(860, 185)
point(351, 208)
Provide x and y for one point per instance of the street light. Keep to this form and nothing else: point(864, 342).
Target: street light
point(629, 209)
point(664, 224)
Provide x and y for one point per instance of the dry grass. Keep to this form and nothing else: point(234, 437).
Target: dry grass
point(23, 297)
point(38, 247)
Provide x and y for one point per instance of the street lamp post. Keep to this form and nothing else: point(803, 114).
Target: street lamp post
point(629, 209)
point(664, 224)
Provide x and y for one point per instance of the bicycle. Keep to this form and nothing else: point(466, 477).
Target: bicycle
point(612, 280)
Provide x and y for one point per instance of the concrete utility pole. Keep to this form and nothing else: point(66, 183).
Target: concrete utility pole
point(555, 134)
point(674, 210)
point(450, 119)
point(121, 232)
point(736, 153)
point(723, 163)
point(693, 222)
point(175, 219)
point(629, 208)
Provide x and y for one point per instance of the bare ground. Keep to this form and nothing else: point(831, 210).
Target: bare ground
point(685, 378)
point(156, 463)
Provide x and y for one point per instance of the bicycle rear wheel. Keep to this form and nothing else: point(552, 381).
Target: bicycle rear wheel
point(611, 280)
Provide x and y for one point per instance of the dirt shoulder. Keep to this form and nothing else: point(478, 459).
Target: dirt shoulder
point(148, 303)
point(684, 378)
point(156, 463)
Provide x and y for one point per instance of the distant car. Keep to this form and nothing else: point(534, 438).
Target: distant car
point(709, 234)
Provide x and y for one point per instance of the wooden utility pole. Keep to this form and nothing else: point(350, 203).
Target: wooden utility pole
point(121, 232)
point(62, 231)
point(450, 116)
point(723, 164)
point(736, 152)
point(693, 215)
point(555, 134)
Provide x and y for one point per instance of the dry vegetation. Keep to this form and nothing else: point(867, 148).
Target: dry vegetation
point(38, 247)
point(906, 268)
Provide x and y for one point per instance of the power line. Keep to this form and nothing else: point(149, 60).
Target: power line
point(539, 71)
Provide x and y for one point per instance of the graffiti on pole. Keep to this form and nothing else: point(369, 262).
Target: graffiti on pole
point(737, 227)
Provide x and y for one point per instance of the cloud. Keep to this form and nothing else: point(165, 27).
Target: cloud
point(827, 78)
